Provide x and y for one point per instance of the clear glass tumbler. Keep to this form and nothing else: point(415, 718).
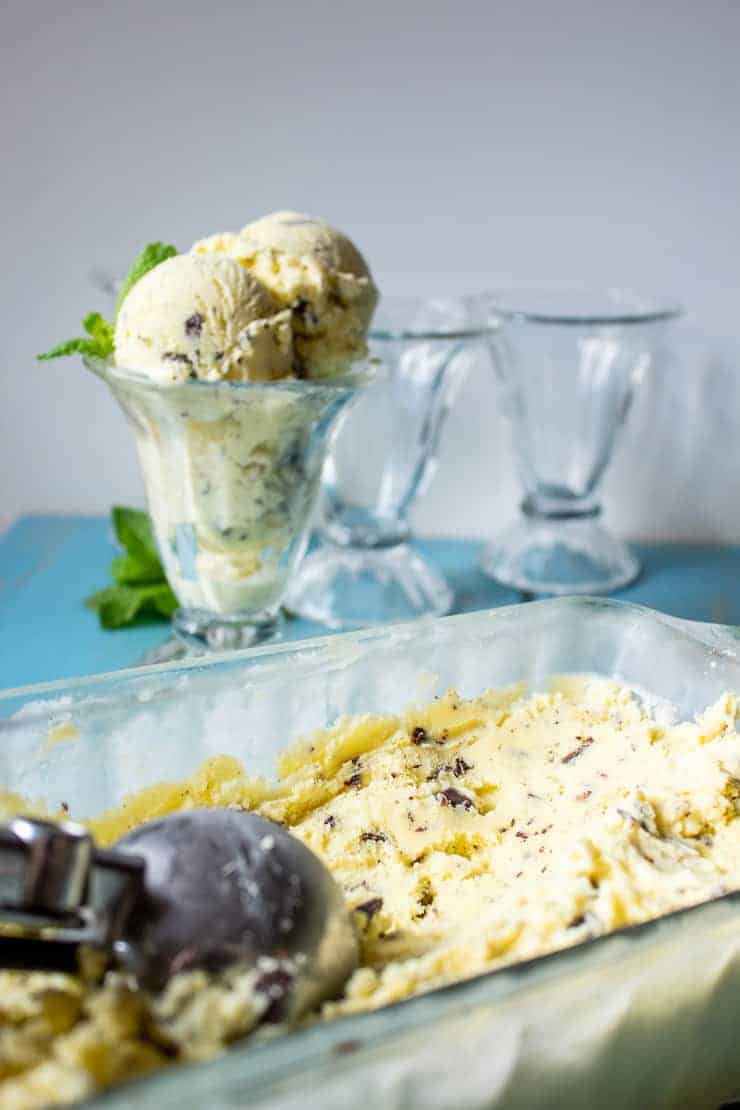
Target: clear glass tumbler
point(231, 472)
point(568, 362)
point(384, 454)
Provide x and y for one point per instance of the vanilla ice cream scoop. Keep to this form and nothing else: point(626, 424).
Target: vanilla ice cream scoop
point(317, 272)
point(206, 317)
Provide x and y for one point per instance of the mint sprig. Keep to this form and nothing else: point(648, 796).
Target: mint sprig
point(99, 344)
point(99, 341)
point(152, 255)
point(140, 584)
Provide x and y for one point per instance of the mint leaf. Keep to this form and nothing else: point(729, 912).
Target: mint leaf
point(100, 330)
point(99, 345)
point(141, 586)
point(120, 605)
point(116, 605)
point(134, 570)
point(152, 255)
point(133, 530)
point(163, 600)
point(72, 347)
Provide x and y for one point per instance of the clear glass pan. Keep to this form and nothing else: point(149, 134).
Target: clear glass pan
point(644, 1017)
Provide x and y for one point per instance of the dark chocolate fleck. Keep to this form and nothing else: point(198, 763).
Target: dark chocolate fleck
point(371, 907)
point(459, 767)
point(376, 836)
point(579, 920)
point(354, 780)
point(455, 798)
point(522, 835)
point(177, 356)
point(275, 984)
point(419, 735)
point(586, 742)
point(331, 821)
point(194, 325)
point(305, 312)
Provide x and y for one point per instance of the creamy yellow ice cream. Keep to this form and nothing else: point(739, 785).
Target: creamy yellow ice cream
point(317, 272)
point(466, 835)
point(230, 487)
point(203, 317)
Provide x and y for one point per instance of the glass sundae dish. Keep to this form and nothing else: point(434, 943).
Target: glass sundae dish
point(231, 362)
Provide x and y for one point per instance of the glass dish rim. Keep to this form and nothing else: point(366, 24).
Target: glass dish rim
point(718, 637)
point(378, 334)
point(364, 372)
point(662, 309)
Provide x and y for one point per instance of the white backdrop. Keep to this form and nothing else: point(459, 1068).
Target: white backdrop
point(463, 145)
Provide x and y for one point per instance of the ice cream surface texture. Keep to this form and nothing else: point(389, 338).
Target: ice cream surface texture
point(466, 835)
point(203, 317)
point(317, 273)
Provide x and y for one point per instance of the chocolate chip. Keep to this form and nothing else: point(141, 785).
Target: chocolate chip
point(377, 836)
point(304, 311)
point(331, 821)
point(522, 835)
point(177, 356)
point(455, 798)
point(194, 325)
point(354, 780)
point(579, 920)
point(419, 735)
point(585, 743)
point(371, 907)
point(459, 767)
point(275, 985)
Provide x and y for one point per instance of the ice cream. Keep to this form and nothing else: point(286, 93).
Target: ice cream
point(203, 317)
point(466, 835)
point(317, 272)
point(231, 475)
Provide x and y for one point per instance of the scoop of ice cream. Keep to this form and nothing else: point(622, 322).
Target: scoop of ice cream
point(203, 316)
point(315, 271)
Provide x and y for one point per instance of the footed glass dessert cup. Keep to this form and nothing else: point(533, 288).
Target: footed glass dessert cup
point(384, 454)
point(231, 472)
point(568, 362)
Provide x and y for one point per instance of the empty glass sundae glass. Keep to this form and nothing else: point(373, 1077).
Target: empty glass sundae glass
point(568, 363)
point(383, 456)
point(231, 471)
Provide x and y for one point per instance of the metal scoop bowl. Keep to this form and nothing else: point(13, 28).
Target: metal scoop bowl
point(203, 889)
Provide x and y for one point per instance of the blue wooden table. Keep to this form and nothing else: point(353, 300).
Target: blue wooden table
point(48, 564)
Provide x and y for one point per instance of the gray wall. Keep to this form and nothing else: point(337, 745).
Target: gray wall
point(463, 145)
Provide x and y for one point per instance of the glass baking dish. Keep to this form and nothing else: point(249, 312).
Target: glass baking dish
point(643, 1017)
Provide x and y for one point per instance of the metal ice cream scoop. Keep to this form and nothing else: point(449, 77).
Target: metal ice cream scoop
point(202, 889)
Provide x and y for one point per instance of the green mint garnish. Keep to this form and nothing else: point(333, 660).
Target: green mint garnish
point(98, 343)
point(141, 587)
point(150, 257)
